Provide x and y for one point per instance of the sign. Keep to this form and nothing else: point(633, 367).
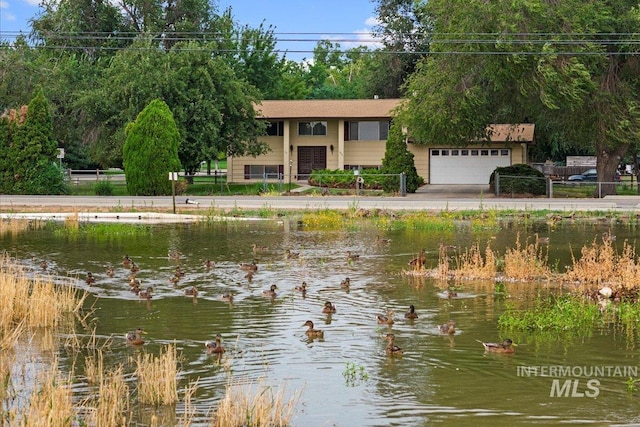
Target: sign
point(60, 153)
point(173, 176)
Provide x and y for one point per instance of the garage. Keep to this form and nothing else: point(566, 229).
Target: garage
point(465, 165)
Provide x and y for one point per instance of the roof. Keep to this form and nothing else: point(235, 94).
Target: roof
point(521, 132)
point(327, 108)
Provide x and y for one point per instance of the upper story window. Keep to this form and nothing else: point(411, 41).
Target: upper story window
point(312, 128)
point(275, 128)
point(367, 130)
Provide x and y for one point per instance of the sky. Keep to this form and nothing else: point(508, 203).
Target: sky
point(347, 22)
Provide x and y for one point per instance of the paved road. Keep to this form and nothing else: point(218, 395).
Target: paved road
point(419, 201)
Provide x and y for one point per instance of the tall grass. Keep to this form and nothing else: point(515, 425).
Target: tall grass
point(528, 262)
point(251, 404)
point(157, 377)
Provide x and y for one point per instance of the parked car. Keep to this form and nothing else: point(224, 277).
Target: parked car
point(589, 175)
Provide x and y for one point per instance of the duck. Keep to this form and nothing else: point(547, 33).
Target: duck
point(215, 347)
point(607, 237)
point(126, 261)
point(227, 297)
point(448, 328)
point(312, 333)
point(291, 255)
point(208, 264)
point(258, 248)
point(301, 288)
point(178, 271)
point(505, 346)
point(381, 241)
point(135, 337)
point(134, 267)
point(90, 280)
point(392, 349)
point(146, 294)
point(44, 265)
point(191, 292)
point(419, 261)
point(174, 279)
point(133, 282)
point(271, 292)
point(328, 308)
point(352, 257)
point(411, 314)
point(252, 266)
point(110, 272)
point(346, 283)
point(174, 254)
point(385, 319)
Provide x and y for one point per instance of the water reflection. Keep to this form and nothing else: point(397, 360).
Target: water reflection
point(444, 378)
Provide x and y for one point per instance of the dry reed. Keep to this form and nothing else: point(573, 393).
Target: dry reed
point(157, 377)
point(600, 264)
point(250, 404)
point(112, 402)
point(472, 265)
point(526, 263)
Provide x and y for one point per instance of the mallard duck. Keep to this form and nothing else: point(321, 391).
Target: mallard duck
point(90, 280)
point(505, 346)
point(110, 272)
point(346, 283)
point(301, 288)
point(252, 266)
point(448, 328)
point(328, 308)
point(174, 279)
point(385, 319)
point(419, 261)
point(146, 294)
point(271, 292)
point(135, 337)
point(133, 282)
point(227, 297)
point(126, 261)
point(174, 254)
point(44, 265)
point(208, 264)
point(352, 257)
point(291, 255)
point(381, 241)
point(178, 271)
point(215, 347)
point(258, 248)
point(411, 314)
point(134, 267)
point(392, 349)
point(135, 289)
point(607, 237)
point(312, 333)
point(191, 292)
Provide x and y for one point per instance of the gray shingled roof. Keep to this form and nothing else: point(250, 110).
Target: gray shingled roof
point(327, 108)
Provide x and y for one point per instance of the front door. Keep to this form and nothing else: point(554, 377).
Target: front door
point(310, 158)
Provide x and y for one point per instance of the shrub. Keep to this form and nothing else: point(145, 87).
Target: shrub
point(103, 188)
point(398, 159)
point(519, 179)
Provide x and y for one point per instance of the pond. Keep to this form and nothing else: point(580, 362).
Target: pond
point(345, 378)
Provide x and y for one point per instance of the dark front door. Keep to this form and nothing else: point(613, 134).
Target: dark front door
point(310, 158)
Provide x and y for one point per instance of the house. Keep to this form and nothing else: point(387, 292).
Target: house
point(304, 135)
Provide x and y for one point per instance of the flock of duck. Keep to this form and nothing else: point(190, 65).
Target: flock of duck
point(214, 347)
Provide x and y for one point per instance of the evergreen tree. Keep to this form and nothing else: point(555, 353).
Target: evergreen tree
point(151, 151)
point(398, 159)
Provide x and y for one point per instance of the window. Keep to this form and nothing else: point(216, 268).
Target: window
point(445, 152)
point(435, 152)
point(275, 128)
point(504, 152)
point(367, 131)
point(455, 152)
point(312, 128)
point(259, 171)
point(464, 152)
point(494, 152)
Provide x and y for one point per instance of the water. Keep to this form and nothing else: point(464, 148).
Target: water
point(447, 380)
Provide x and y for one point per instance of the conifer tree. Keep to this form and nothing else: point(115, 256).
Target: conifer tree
point(398, 159)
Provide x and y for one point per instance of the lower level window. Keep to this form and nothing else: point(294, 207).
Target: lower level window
point(259, 171)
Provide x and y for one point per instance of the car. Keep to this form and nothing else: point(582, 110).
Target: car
point(589, 175)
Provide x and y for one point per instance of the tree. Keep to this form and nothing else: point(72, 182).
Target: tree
point(570, 66)
point(397, 159)
point(151, 151)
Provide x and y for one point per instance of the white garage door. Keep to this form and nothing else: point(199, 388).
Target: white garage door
point(465, 166)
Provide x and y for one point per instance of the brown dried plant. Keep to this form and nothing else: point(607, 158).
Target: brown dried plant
point(472, 265)
point(526, 263)
point(157, 377)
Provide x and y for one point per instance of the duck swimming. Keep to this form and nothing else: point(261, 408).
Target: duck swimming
point(291, 255)
point(252, 266)
point(392, 349)
point(135, 337)
point(301, 288)
point(215, 347)
point(385, 319)
point(411, 314)
point(352, 257)
point(227, 297)
point(191, 292)
point(271, 292)
point(90, 280)
point(346, 283)
point(328, 308)
point(448, 328)
point(146, 294)
point(505, 346)
point(312, 333)
point(419, 261)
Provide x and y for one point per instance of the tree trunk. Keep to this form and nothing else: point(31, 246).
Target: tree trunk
point(608, 160)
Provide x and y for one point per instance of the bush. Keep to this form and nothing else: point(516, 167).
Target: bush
point(519, 179)
point(398, 159)
point(103, 188)
point(339, 178)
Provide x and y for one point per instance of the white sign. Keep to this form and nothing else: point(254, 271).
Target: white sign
point(60, 153)
point(173, 176)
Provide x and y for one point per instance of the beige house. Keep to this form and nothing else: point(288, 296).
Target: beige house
point(304, 135)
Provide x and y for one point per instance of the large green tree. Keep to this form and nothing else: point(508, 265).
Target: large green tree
point(569, 66)
point(151, 151)
point(397, 159)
